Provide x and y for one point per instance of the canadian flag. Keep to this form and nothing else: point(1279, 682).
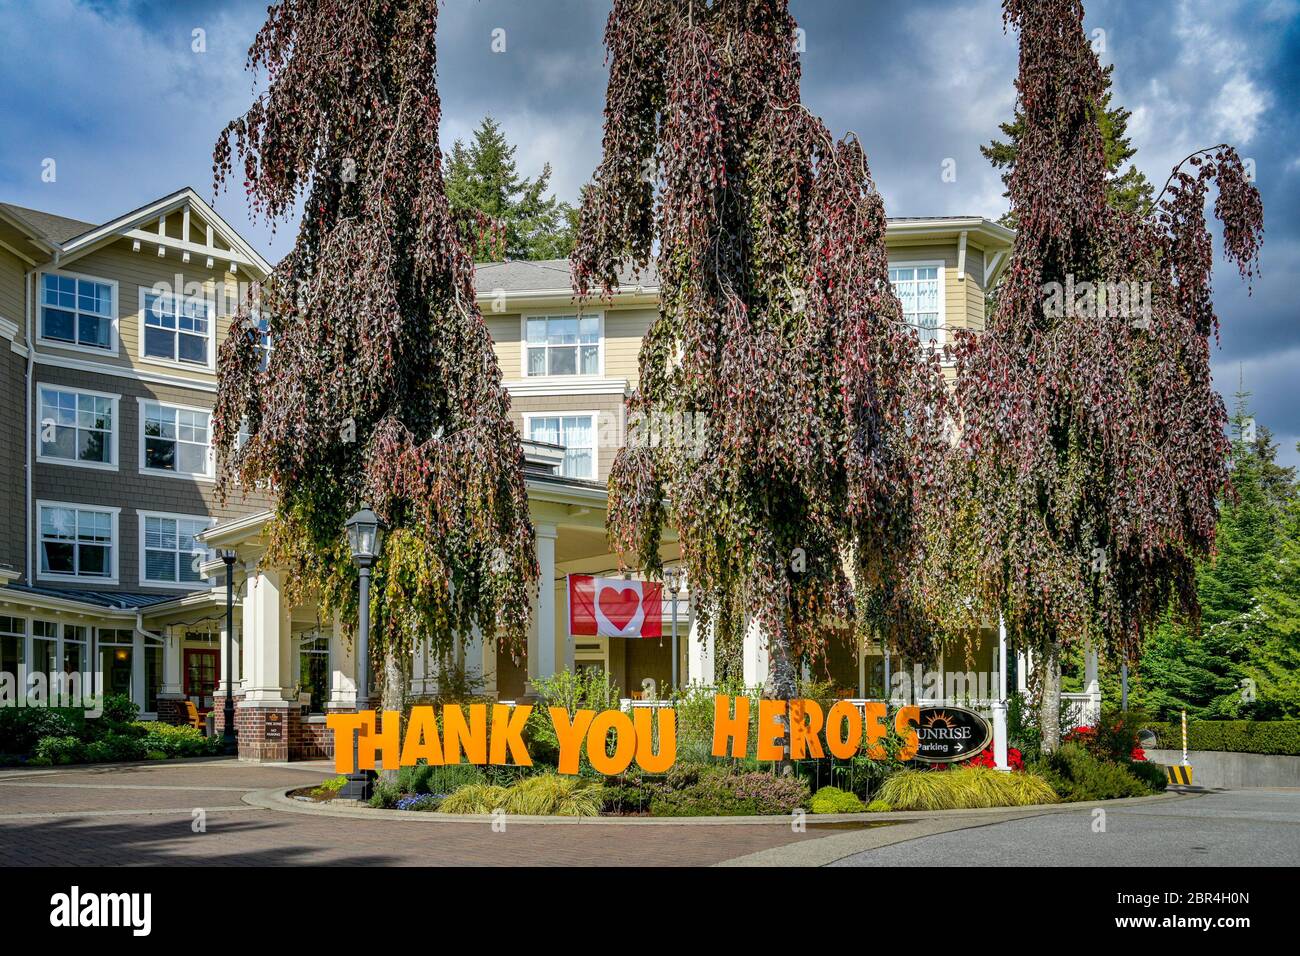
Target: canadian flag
point(614, 607)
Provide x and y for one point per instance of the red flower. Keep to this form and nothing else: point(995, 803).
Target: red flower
point(1138, 754)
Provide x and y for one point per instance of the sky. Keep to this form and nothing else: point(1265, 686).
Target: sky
point(127, 99)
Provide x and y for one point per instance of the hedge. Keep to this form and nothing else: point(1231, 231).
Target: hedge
point(1236, 736)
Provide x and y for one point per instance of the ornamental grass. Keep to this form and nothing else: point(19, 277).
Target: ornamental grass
point(965, 788)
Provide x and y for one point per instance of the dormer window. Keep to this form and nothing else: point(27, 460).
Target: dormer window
point(557, 345)
point(78, 311)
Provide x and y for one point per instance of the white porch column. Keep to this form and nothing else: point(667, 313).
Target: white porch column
point(171, 681)
point(488, 662)
point(1092, 685)
point(541, 638)
point(248, 623)
point(137, 668)
point(699, 650)
point(755, 655)
point(1024, 661)
point(1000, 704)
point(269, 632)
point(343, 682)
point(472, 654)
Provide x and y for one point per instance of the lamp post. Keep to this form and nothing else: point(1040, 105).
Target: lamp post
point(229, 736)
point(365, 539)
point(675, 577)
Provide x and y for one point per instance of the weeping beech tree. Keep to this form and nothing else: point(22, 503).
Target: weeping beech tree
point(786, 421)
point(1093, 442)
point(381, 384)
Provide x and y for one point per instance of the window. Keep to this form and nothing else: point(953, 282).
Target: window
point(176, 328)
point(116, 647)
point(77, 311)
point(562, 345)
point(314, 669)
point(74, 649)
point(45, 636)
point(12, 632)
point(917, 287)
point(262, 331)
point(175, 440)
point(169, 553)
point(77, 426)
point(78, 542)
point(577, 433)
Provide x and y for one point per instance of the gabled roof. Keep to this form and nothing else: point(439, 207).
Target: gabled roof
point(70, 239)
point(55, 230)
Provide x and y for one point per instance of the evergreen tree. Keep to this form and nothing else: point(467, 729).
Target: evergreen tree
point(482, 178)
point(1128, 190)
point(1203, 671)
point(1274, 667)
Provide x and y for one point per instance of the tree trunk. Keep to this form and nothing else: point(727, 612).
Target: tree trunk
point(782, 685)
point(393, 694)
point(1049, 697)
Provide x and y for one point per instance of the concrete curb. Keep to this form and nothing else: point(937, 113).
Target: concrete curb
point(276, 798)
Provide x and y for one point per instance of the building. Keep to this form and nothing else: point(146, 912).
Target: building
point(162, 641)
point(108, 348)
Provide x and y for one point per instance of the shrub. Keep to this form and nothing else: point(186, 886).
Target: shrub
point(58, 750)
point(182, 741)
point(551, 794)
point(474, 798)
point(22, 727)
point(119, 709)
point(879, 806)
point(835, 800)
point(1076, 774)
point(963, 789)
point(718, 792)
point(384, 795)
point(332, 785)
point(1236, 736)
point(115, 747)
point(1152, 774)
point(437, 779)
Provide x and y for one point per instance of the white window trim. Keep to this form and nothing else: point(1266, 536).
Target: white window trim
point(595, 434)
point(145, 582)
point(559, 380)
point(39, 303)
point(208, 476)
point(209, 301)
point(115, 549)
point(116, 433)
point(939, 265)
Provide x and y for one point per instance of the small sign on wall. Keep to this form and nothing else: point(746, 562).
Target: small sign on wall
point(274, 727)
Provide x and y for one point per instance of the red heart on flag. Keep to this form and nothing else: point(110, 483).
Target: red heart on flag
point(619, 605)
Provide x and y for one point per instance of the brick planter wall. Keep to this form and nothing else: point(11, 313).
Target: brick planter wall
point(251, 723)
point(219, 714)
point(171, 710)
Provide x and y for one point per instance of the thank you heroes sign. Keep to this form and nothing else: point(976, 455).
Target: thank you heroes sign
point(495, 734)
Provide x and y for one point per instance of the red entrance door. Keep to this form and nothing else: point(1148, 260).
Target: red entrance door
point(201, 677)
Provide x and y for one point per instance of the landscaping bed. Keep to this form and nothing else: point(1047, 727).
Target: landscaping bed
point(1094, 763)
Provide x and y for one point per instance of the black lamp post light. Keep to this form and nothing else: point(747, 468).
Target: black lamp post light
point(229, 736)
point(365, 539)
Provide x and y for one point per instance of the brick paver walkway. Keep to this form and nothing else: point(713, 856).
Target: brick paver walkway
point(143, 816)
